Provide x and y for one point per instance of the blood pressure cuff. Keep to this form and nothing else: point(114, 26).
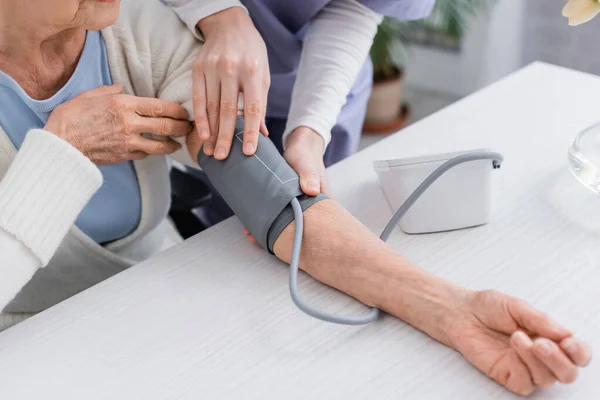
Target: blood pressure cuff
point(259, 188)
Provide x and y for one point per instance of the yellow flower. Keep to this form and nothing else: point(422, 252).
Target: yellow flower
point(581, 11)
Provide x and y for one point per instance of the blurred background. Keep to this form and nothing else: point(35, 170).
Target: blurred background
point(421, 67)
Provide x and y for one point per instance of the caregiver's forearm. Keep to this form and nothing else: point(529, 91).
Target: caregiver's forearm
point(341, 252)
point(193, 11)
point(335, 49)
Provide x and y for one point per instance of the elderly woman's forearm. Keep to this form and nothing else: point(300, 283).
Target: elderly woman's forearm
point(17, 266)
point(44, 190)
point(47, 185)
point(341, 252)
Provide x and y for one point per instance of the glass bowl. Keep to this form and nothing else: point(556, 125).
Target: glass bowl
point(584, 157)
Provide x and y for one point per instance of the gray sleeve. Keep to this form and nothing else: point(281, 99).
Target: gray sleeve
point(258, 188)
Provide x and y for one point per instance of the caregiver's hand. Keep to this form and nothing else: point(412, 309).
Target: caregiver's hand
point(514, 344)
point(232, 60)
point(304, 153)
point(107, 126)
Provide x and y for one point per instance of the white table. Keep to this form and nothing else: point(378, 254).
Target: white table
point(212, 318)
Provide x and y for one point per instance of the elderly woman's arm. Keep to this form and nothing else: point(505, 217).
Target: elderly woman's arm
point(501, 335)
point(43, 191)
point(17, 266)
point(54, 173)
point(488, 328)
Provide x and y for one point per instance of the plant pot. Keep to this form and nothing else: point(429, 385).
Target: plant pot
point(403, 116)
point(385, 111)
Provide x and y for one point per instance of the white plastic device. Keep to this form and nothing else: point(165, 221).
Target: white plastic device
point(461, 198)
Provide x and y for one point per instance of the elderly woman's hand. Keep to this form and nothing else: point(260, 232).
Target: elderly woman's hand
point(107, 125)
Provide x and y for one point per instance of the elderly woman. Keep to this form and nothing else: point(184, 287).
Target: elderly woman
point(84, 192)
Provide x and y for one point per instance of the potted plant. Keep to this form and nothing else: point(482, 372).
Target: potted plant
point(444, 29)
point(384, 110)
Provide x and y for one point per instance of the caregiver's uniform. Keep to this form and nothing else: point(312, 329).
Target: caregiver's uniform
point(283, 25)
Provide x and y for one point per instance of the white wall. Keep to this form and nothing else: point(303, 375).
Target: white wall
point(491, 50)
point(549, 38)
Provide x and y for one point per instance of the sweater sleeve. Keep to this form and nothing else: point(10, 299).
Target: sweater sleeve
point(336, 46)
point(192, 11)
point(17, 266)
point(44, 190)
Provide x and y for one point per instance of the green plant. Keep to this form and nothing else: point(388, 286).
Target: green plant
point(447, 23)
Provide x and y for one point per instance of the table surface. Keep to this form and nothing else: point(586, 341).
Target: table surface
point(212, 318)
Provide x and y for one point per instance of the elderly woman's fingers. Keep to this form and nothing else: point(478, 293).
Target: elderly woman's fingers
point(579, 352)
point(555, 359)
point(534, 321)
point(149, 107)
point(194, 144)
point(523, 345)
point(248, 235)
point(153, 147)
point(107, 158)
point(161, 126)
point(515, 376)
point(117, 88)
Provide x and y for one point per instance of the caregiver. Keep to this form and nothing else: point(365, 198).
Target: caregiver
point(315, 60)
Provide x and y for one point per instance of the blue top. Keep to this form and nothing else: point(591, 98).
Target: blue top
point(115, 210)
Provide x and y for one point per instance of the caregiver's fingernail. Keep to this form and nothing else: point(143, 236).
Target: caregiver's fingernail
point(220, 153)
point(204, 134)
point(249, 148)
point(313, 185)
